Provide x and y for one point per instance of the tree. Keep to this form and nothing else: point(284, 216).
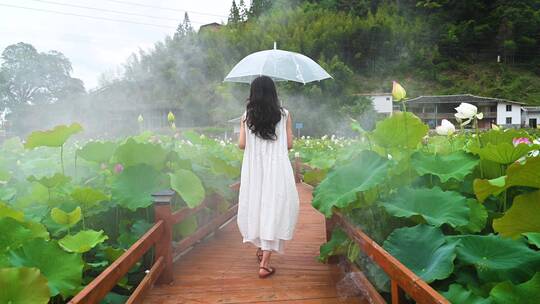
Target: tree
point(184, 28)
point(30, 77)
point(234, 15)
point(242, 10)
point(258, 7)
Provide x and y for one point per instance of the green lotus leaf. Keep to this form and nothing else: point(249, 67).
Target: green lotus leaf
point(214, 183)
point(342, 183)
point(523, 216)
point(13, 235)
point(52, 138)
point(38, 229)
point(187, 226)
point(503, 153)
point(336, 245)
point(5, 176)
point(456, 165)
point(457, 294)
point(402, 130)
point(220, 166)
point(132, 153)
point(114, 298)
point(13, 144)
point(7, 211)
point(131, 232)
point(526, 293)
point(88, 199)
point(63, 270)
point(314, 177)
point(57, 180)
point(518, 174)
point(97, 151)
point(477, 218)
point(133, 188)
point(498, 259)
point(23, 286)
point(423, 249)
point(68, 219)
point(533, 238)
point(188, 186)
point(435, 206)
point(83, 241)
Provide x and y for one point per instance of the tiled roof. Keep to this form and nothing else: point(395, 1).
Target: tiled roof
point(458, 99)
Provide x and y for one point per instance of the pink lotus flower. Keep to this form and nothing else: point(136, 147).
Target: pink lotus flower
point(118, 168)
point(521, 140)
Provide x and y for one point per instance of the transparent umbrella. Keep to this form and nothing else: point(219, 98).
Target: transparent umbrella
point(279, 65)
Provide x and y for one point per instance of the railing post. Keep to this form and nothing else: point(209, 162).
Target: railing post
point(162, 211)
point(330, 224)
point(297, 165)
point(397, 292)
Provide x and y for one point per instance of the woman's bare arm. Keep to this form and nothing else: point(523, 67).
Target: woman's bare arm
point(242, 137)
point(290, 135)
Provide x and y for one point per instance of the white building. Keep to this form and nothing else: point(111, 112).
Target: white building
point(530, 116)
point(382, 102)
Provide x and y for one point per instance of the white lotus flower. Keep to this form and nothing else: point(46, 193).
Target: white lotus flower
point(446, 128)
point(467, 112)
point(297, 154)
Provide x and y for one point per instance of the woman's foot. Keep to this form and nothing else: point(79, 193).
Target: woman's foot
point(266, 271)
point(259, 254)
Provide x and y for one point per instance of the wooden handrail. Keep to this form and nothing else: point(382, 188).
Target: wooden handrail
point(402, 278)
point(159, 237)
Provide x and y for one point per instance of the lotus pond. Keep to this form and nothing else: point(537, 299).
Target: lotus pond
point(68, 209)
point(461, 210)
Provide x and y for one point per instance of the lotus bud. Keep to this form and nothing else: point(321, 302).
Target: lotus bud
point(170, 117)
point(140, 119)
point(446, 128)
point(118, 168)
point(297, 154)
point(173, 126)
point(398, 92)
point(103, 166)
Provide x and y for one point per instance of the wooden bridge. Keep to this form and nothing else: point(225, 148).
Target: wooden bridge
point(214, 266)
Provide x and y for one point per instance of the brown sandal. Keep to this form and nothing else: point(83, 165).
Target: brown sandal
point(259, 254)
point(271, 271)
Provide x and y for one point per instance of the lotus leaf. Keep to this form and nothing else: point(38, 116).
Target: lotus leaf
point(23, 286)
point(13, 145)
point(7, 211)
point(477, 218)
point(336, 245)
point(187, 226)
point(114, 298)
point(52, 138)
point(533, 238)
point(88, 199)
point(220, 166)
point(523, 216)
point(83, 241)
point(314, 177)
point(458, 294)
point(133, 188)
point(502, 153)
point(132, 153)
point(57, 180)
point(188, 186)
point(424, 250)
point(526, 293)
point(456, 165)
point(63, 270)
point(132, 232)
point(435, 206)
point(97, 151)
point(402, 130)
point(498, 259)
point(68, 219)
point(13, 235)
point(343, 182)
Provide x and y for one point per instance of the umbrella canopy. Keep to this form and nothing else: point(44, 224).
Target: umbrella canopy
point(279, 65)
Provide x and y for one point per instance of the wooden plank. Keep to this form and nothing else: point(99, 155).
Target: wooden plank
point(105, 281)
point(205, 230)
point(162, 212)
point(396, 292)
point(147, 282)
point(404, 277)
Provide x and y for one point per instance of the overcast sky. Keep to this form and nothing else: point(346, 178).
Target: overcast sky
point(96, 46)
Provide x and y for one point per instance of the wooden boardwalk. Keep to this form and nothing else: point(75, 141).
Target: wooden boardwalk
point(222, 269)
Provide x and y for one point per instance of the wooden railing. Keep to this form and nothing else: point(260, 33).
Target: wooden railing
point(159, 237)
point(402, 279)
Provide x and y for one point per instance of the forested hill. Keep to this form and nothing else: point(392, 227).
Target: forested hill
point(430, 46)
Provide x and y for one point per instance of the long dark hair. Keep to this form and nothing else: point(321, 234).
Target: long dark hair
point(263, 111)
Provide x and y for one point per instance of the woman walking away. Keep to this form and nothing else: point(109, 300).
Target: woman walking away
point(268, 200)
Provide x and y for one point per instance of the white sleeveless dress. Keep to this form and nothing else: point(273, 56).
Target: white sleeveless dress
point(268, 201)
